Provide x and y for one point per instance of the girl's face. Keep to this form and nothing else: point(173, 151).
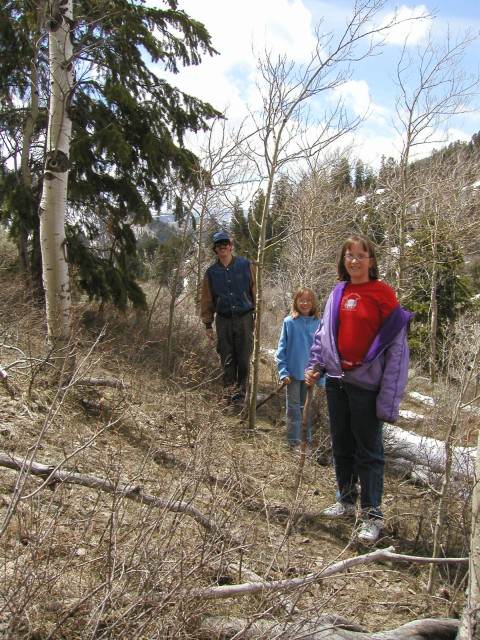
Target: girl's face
point(304, 304)
point(357, 263)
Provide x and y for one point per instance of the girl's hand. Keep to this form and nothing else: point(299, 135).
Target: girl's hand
point(287, 380)
point(311, 377)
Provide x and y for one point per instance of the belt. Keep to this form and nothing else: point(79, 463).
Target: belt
point(230, 316)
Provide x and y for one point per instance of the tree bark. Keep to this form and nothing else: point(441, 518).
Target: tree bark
point(429, 453)
point(470, 624)
point(54, 196)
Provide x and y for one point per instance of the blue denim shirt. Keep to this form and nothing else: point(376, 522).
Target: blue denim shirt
point(231, 288)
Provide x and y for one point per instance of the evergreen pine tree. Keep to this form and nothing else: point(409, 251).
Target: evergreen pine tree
point(128, 129)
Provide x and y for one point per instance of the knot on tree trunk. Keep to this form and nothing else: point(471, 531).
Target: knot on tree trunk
point(56, 161)
point(57, 15)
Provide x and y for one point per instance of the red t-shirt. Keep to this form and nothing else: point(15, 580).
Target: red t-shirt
point(363, 310)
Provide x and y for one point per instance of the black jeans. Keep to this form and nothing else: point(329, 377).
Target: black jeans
point(235, 346)
point(357, 444)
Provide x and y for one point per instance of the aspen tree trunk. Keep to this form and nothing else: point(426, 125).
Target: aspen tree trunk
point(200, 254)
point(54, 196)
point(402, 222)
point(470, 624)
point(252, 408)
point(178, 274)
point(433, 315)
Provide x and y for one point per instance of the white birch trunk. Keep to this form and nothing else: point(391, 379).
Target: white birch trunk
point(54, 197)
point(470, 624)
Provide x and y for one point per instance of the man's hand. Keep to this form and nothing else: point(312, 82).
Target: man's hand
point(210, 334)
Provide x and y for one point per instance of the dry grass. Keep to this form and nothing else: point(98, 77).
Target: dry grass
point(79, 563)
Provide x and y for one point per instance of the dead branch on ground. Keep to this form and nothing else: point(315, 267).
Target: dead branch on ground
point(52, 476)
point(331, 627)
point(256, 588)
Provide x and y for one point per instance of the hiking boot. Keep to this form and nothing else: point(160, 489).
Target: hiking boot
point(370, 530)
point(339, 510)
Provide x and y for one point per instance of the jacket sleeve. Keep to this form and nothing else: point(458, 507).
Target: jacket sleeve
point(316, 354)
point(207, 306)
point(281, 355)
point(394, 378)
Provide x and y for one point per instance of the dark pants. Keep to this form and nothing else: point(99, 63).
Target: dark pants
point(357, 444)
point(235, 346)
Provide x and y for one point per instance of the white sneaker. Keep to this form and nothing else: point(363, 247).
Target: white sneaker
point(370, 530)
point(339, 510)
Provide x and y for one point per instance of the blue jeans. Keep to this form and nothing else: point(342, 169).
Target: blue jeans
point(357, 444)
point(296, 393)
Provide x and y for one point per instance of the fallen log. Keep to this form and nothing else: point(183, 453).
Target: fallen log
point(428, 452)
point(325, 628)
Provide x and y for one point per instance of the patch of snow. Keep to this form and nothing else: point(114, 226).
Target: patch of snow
point(410, 415)
point(421, 398)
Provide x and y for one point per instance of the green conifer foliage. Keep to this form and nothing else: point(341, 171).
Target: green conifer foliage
point(129, 124)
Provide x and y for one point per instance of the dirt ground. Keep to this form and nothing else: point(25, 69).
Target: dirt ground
point(77, 562)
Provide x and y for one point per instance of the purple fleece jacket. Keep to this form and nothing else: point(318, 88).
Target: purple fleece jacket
point(385, 367)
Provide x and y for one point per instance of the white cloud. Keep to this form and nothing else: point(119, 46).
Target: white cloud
point(413, 25)
point(283, 26)
point(239, 32)
point(243, 31)
point(355, 95)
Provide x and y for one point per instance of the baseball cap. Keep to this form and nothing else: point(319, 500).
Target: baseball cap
point(220, 236)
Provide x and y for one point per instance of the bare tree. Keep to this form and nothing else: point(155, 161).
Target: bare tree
point(54, 197)
point(433, 87)
point(287, 130)
point(470, 623)
point(224, 173)
point(319, 216)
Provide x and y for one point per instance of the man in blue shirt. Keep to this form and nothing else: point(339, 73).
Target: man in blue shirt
point(228, 300)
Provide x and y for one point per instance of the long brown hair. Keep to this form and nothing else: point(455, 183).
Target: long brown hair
point(367, 246)
point(295, 311)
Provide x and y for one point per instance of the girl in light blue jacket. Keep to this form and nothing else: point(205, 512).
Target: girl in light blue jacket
point(293, 350)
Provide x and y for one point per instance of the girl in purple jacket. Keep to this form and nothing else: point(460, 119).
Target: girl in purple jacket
point(362, 348)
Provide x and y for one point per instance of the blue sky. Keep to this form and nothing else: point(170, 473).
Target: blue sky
point(287, 26)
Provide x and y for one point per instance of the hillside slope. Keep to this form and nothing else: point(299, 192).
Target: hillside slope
point(78, 562)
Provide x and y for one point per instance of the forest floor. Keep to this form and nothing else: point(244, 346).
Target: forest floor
point(77, 562)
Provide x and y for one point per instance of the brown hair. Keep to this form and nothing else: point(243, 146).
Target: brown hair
point(367, 246)
point(295, 311)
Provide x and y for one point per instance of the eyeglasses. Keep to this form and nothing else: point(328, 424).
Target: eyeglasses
point(360, 258)
point(222, 243)
point(304, 302)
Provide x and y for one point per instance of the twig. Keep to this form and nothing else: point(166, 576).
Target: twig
point(260, 403)
point(103, 382)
